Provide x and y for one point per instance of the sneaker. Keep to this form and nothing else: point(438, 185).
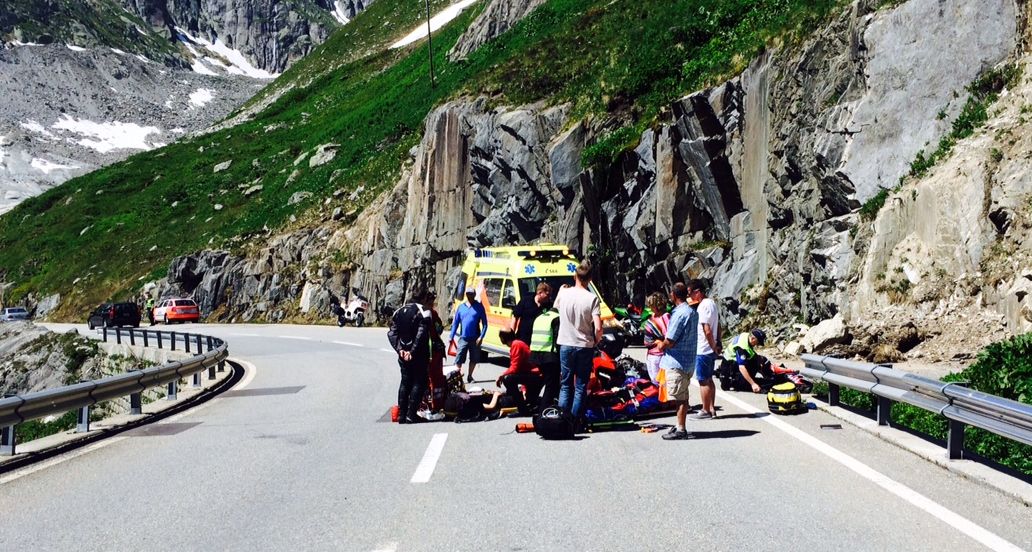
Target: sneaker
point(703, 415)
point(673, 429)
point(678, 435)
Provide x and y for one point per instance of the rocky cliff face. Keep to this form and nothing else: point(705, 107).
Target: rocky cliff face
point(499, 16)
point(89, 83)
point(754, 185)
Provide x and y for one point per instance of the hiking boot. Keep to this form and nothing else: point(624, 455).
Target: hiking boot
point(678, 435)
point(703, 415)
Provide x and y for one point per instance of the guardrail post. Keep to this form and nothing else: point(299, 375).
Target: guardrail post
point(196, 380)
point(159, 338)
point(172, 388)
point(83, 420)
point(211, 372)
point(7, 438)
point(132, 337)
point(211, 343)
point(145, 341)
point(104, 333)
point(118, 335)
point(884, 411)
point(222, 366)
point(172, 339)
point(186, 342)
point(833, 395)
point(135, 403)
point(199, 343)
point(955, 441)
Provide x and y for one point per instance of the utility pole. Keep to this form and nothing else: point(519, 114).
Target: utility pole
point(430, 43)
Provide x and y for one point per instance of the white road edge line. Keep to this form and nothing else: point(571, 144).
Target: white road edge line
point(350, 344)
point(297, 337)
point(392, 351)
point(18, 474)
point(388, 547)
point(426, 466)
point(984, 536)
point(249, 373)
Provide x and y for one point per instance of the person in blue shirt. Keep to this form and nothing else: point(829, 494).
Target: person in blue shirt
point(471, 324)
point(679, 348)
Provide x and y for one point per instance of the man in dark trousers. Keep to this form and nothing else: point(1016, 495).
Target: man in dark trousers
point(540, 335)
point(409, 335)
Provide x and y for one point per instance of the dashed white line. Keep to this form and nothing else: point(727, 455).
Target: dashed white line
point(962, 524)
point(387, 547)
point(297, 337)
point(426, 466)
point(389, 351)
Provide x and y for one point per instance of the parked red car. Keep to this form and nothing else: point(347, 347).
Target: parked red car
point(177, 310)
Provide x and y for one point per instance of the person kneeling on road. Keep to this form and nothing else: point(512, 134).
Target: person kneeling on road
point(740, 354)
point(520, 371)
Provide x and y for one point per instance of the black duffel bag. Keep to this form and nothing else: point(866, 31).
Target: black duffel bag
point(553, 423)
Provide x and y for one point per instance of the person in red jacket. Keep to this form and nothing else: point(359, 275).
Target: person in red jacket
point(521, 372)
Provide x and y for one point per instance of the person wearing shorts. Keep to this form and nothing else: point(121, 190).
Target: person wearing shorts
point(470, 324)
point(708, 348)
point(678, 362)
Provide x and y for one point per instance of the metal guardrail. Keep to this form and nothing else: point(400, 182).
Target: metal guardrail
point(958, 404)
point(209, 354)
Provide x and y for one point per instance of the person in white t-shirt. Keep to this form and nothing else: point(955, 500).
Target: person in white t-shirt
point(708, 348)
point(580, 330)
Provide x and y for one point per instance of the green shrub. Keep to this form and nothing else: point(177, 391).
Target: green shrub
point(36, 429)
point(873, 206)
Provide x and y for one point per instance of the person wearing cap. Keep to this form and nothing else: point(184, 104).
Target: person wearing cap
point(679, 348)
point(470, 324)
point(708, 347)
point(741, 353)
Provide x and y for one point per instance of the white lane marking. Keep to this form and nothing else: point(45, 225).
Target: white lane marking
point(249, 372)
point(348, 343)
point(392, 351)
point(18, 474)
point(387, 547)
point(297, 337)
point(984, 536)
point(426, 466)
point(245, 335)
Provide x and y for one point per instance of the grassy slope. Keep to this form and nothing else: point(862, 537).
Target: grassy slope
point(638, 54)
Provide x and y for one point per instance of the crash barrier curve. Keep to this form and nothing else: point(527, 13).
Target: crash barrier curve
point(958, 404)
point(209, 353)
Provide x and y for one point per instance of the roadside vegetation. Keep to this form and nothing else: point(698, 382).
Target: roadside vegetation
point(101, 236)
point(1003, 369)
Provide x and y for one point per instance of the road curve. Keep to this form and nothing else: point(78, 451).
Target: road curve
point(298, 456)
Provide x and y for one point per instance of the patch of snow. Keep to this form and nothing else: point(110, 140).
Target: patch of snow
point(33, 126)
point(199, 67)
point(238, 62)
point(75, 48)
point(20, 43)
point(105, 137)
point(339, 14)
point(436, 22)
point(117, 51)
point(46, 167)
point(201, 97)
point(143, 58)
point(178, 130)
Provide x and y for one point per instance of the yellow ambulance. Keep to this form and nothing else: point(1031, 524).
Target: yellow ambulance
point(503, 276)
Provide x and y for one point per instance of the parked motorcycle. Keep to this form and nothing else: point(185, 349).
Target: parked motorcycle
point(354, 312)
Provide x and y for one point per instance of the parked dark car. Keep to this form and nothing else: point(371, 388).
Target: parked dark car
point(110, 315)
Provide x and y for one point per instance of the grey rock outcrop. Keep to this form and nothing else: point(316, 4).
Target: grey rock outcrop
point(33, 358)
point(499, 16)
point(754, 185)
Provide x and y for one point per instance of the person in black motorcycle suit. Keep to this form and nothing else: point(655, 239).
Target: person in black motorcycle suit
point(409, 335)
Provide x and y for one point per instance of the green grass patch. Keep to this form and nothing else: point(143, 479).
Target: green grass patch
point(101, 236)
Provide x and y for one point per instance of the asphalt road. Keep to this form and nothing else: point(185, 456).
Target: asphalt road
point(298, 456)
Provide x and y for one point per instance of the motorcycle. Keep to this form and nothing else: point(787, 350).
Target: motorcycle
point(355, 311)
point(633, 321)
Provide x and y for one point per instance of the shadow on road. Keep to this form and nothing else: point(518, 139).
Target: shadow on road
point(725, 434)
point(756, 415)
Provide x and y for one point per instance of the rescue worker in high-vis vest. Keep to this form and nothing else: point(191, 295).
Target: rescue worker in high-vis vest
point(741, 354)
point(545, 355)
